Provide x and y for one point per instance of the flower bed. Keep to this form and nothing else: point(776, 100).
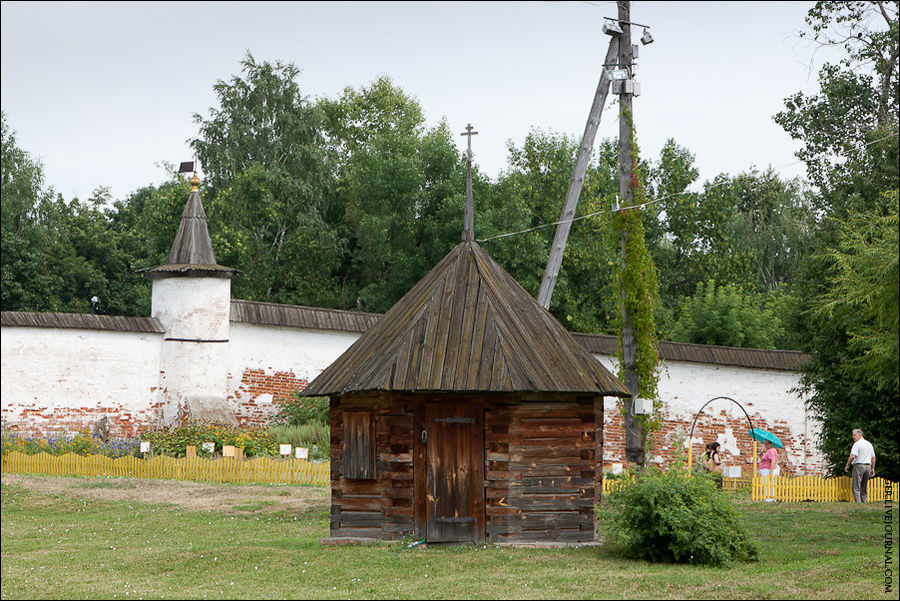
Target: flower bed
point(81, 443)
point(174, 440)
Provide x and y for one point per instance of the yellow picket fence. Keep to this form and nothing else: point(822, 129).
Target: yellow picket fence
point(612, 484)
point(816, 488)
point(794, 488)
point(228, 469)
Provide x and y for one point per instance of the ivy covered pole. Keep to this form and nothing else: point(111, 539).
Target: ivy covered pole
point(637, 277)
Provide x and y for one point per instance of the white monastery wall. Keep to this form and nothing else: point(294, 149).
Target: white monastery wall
point(64, 380)
point(268, 363)
point(766, 395)
point(56, 380)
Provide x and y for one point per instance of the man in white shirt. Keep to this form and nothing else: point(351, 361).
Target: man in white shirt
point(862, 460)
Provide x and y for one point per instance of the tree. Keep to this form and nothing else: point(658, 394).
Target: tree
point(673, 252)
point(270, 186)
point(399, 186)
point(26, 208)
point(854, 369)
point(849, 128)
point(849, 131)
point(358, 117)
point(754, 226)
point(724, 316)
point(866, 291)
point(534, 187)
point(58, 254)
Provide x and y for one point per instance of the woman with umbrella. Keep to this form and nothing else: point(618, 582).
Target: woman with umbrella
point(768, 461)
point(768, 465)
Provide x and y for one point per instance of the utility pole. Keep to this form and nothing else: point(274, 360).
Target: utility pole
point(634, 451)
point(551, 273)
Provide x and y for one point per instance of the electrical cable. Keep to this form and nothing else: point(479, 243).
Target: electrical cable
point(637, 206)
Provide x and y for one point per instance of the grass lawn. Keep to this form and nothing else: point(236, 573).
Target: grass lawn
point(74, 540)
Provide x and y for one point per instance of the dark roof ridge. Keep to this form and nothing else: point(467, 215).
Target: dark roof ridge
point(81, 321)
point(308, 307)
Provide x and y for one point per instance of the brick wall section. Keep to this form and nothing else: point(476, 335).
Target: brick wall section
point(39, 421)
point(798, 457)
point(258, 396)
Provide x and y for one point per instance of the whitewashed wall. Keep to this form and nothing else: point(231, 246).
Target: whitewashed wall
point(62, 379)
point(65, 379)
point(268, 363)
point(303, 352)
point(768, 396)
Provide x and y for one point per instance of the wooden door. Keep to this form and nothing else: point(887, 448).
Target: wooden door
point(454, 457)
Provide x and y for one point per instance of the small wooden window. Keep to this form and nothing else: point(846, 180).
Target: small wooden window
point(359, 445)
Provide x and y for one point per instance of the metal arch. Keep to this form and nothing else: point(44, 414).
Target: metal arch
point(694, 423)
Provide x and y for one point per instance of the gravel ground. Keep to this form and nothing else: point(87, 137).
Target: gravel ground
point(195, 496)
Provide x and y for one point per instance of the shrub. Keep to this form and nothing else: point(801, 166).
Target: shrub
point(674, 516)
point(315, 436)
point(303, 410)
point(174, 440)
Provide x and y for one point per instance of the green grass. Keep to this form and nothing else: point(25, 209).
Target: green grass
point(253, 506)
point(110, 483)
point(61, 546)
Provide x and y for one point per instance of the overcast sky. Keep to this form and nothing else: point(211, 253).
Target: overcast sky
point(102, 93)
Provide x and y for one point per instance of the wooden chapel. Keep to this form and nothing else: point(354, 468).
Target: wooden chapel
point(468, 412)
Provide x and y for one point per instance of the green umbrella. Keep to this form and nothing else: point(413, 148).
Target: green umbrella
point(764, 436)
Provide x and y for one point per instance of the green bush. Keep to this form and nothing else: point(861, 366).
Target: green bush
point(315, 436)
point(303, 410)
point(674, 516)
point(174, 440)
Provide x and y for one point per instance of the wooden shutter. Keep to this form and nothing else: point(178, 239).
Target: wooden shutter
point(359, 445)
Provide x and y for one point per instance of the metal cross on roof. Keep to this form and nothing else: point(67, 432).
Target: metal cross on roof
point(469, 215)
point(469, 133)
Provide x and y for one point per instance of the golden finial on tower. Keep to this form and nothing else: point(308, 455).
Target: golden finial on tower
point(187, 168)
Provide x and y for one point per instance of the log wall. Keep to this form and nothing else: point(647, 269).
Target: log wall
point(541, 479)
point(381, 507)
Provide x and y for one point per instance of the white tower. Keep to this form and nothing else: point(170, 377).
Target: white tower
point(192, 300)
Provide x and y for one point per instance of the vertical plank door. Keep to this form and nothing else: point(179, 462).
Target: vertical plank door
point(454, 486)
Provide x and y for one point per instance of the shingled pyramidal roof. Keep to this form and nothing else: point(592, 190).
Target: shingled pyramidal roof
point(467, 326)
point(192, 252)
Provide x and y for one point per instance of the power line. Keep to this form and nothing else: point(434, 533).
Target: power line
point(649, 202)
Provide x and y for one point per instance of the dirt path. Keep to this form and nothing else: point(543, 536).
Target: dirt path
point(195, 496)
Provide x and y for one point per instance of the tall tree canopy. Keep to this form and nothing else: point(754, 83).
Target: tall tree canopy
point(270, 186)
point(847, 286)
point(26, 219)
point(396, 180)
point(57, 255)
point(849, 128)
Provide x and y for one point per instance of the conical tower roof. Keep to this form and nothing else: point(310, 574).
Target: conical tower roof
point(192, 252)
point(467, 326)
